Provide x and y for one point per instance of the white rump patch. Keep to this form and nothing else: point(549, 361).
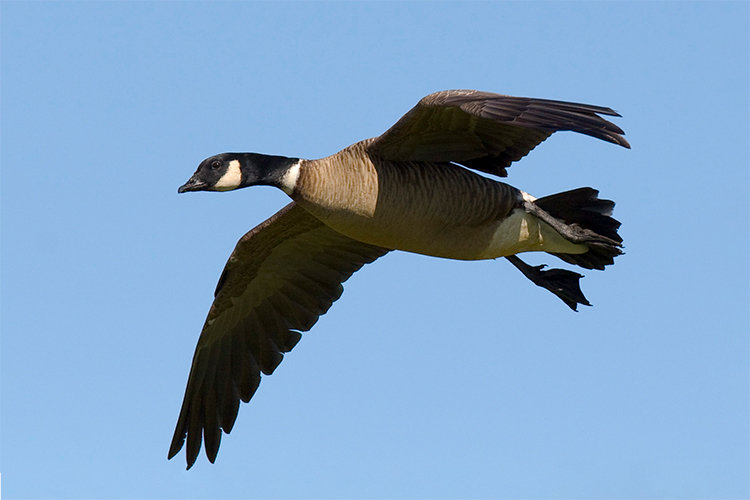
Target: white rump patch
point(289, 179)
point(231, 178)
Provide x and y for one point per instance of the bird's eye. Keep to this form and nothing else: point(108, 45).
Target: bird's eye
point(215, 165)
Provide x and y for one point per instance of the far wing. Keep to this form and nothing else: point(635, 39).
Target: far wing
point(486, 131)
point(281, 277)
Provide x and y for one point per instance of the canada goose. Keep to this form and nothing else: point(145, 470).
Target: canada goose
point(405, 190)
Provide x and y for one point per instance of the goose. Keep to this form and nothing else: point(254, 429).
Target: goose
point(412, 189)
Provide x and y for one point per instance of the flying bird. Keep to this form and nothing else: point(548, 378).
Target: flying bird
point(413, 189)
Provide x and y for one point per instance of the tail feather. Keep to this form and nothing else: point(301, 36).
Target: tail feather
point(582, 207)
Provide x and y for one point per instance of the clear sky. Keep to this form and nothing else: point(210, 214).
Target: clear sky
point(428, 378)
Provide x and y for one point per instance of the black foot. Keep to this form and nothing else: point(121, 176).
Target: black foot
point(563, 283)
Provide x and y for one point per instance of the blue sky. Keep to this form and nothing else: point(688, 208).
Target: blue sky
point(429, 378)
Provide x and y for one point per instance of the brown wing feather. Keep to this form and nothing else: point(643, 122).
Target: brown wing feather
point(281, 277)
point(486, 131)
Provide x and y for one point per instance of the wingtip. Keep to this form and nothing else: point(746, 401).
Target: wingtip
point(611, 112)
point(175, 447)
point(190, 460)
point(619, 137)
point(178, 442)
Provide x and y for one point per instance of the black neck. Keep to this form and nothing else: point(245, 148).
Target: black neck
point(263, 169)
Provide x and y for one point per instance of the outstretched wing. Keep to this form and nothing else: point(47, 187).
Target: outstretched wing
point(281, 277)
point(486, 131)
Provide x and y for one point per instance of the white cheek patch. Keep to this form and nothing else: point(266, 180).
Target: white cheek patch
point(231, 178)
point(289, 179)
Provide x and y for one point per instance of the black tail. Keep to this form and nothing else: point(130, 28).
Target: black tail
point(589, 221)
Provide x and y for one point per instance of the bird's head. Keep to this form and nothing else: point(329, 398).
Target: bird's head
point(228, 171)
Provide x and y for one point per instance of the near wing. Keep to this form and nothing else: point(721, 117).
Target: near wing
point(486, 131)
point(281, 277)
